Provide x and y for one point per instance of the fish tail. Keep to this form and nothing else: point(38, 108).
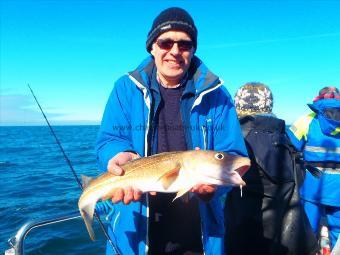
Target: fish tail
point(87, 214)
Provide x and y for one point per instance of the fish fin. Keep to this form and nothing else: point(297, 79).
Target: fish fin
point(168, 178)
point(181, 193)
point(86, 180)
point(87, 214)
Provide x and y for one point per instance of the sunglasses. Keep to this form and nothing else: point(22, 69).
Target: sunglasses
point(167, 44)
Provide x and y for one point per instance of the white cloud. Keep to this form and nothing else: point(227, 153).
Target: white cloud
point(16, 109)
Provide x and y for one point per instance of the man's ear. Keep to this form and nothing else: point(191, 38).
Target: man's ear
point(152, 52)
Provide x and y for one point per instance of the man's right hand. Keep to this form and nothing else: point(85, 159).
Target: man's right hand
point(127, 194)
point(121, 158)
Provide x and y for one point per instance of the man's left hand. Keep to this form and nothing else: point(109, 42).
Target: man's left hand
point(204, 191)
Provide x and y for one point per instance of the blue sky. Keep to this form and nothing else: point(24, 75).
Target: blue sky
point(71, 52)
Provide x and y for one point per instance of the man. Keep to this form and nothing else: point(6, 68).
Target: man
point(171, 102)
point(268, 218)
point(317, 135)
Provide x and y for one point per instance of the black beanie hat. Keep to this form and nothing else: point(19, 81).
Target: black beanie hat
point(173, 18)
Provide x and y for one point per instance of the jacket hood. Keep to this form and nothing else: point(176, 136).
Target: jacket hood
point(261, 122)
point(202, 78)
point(328, 114)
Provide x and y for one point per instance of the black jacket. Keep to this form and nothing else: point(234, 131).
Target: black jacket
point(268, 218)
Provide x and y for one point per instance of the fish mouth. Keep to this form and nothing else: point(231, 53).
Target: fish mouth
point(242, 170)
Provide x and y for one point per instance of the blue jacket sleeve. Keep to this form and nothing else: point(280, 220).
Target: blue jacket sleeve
point(298, 144)
point(227, 131)
point(115, 132)
point(298, 131)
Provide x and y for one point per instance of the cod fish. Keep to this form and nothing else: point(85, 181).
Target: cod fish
point(165, 172)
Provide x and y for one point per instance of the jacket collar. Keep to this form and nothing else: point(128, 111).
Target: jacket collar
point(261, 123)
point(320, 105)
point(328, 125)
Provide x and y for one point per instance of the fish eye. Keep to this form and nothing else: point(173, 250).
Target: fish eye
point(219, 156)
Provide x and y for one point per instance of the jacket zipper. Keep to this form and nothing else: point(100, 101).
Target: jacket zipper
point(146, 149)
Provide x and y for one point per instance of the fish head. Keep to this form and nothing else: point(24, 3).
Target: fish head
point(220, 168)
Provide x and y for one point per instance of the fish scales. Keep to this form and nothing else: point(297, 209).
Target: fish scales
point(131, 168)
point(131, 173)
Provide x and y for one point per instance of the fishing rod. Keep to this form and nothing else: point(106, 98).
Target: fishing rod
point(115, 250)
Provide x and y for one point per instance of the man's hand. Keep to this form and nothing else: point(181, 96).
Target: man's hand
point(127, 194)
point(120, 159)
point(204, 191)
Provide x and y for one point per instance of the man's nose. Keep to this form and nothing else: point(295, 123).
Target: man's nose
point(175, 50)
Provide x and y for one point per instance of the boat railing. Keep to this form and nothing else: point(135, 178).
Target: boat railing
point(17, 242)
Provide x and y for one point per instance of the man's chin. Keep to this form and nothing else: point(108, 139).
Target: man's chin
point(175, 76)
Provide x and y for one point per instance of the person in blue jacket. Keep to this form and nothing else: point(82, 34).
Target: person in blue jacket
point(317, 135)
point(170, 102)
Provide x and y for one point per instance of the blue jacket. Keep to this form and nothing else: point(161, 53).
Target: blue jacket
point(210, 122)
point(318, 137)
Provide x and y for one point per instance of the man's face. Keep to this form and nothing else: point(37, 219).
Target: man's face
point(172, 62)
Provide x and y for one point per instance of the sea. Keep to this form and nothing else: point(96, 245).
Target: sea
point(37, 184)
